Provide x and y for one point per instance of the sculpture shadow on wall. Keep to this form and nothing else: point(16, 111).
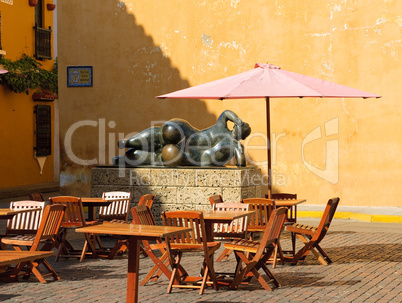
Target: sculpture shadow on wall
point(140, 70)
point(130, 68)
point(158, 122)
point(129, 72)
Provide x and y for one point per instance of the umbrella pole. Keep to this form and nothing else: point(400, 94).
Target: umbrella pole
point(267, 105)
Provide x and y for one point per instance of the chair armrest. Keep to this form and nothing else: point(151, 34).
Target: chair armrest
point(302, 229)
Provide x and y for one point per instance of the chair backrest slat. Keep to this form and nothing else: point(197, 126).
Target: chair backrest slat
point(326, 219)
point(147, 200)
point(50, 224)
point(74, 213)
point(118, 209)
point(36, 197)
point(292, 211)
point(237, 226)
point(142, 215)
point(191, 219)
point(273, 228)
point(283, 196)
point(215, 199)
point(263, 208)
point(25, 222)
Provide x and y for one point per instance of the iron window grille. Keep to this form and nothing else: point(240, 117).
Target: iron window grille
point(43, 45)
point(43, 131)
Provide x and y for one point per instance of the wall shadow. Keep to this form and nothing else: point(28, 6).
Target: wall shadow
point(366, 253)
point(129, 71)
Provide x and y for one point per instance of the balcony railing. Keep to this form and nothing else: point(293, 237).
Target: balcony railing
point(43, 43)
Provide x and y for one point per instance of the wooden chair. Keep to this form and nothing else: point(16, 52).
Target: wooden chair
point(117, 210)
point(255, 254)
point(9, 257)
point(143, 215)
point(215, 199)
point(147, 200)
point(36, 197)
point(291, 215)
point(121, 245)
point(283, 196)
point(258, 222)
point(312, 236)
point(43, 240)
point(27, 222)
point(236, 229)
point(74, 218)
point(263, 209)
point(194, 241)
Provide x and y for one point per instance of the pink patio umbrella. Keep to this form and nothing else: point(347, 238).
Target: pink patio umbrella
point(268, 81)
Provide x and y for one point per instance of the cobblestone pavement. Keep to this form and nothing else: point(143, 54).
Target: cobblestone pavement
point(367, 267)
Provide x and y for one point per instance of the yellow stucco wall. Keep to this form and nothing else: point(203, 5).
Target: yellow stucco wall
point(17, 163)
point(141, 49)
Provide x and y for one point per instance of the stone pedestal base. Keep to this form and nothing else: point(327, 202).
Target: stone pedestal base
point(178, 188)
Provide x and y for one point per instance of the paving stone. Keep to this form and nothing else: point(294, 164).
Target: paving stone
point(367, 267)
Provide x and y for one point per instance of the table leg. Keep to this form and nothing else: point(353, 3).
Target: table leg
point(91, 213)
point(133, 269)
point(209, 229)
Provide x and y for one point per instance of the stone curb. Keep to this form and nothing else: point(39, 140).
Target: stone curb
point(353, 216)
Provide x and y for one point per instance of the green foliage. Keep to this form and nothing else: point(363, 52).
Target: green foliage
point(26, 74)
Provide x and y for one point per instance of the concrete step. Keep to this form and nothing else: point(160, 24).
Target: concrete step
point(360, 213)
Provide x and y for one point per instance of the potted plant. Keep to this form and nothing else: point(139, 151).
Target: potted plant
point(50, 6)
point(43, 96)
point(33, 2)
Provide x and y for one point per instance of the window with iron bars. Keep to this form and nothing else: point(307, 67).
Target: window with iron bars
point(43, 131)
point(43, 43)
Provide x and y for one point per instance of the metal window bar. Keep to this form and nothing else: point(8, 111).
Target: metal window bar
point(43, 45)
point(43, 130)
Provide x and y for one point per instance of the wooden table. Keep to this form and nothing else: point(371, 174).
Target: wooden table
point(91, 203)
point(289, 203)
point(8, 257)
point(135, 234)
point(211, 217)
point(291, 216)
point(8, 213)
